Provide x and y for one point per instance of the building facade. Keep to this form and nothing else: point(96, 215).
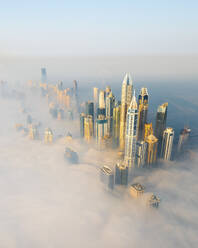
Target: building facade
point(141, 148)
point(126, 96)
point(161, 123)
point(101, 131)
point(151, 153)
point(131, 134)
point(167, 144)
point(121, 173)
point(142, 112)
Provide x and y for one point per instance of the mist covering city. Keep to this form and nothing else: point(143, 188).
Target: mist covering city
point(99, 124)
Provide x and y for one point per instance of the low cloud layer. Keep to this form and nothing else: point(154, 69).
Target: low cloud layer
point(46, 202)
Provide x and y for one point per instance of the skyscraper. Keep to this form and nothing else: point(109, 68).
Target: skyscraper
point(167, 143)
point(107, 177)
point(95, 99)
point(116, 124)
point(141, 148)
point(88, 128)
point(89, 108)
point(102, 99)
point(108, 90)
point(142, 112)
point(183, 139)
point(101, 131)
point(82, 124)
point(48, 135)
point(151, 153)
point(121, 173)
point(148, 130)
point(33, 132)
point(160, 123)
point(131, 134)
point(75, 87)
point(125, 103)
point(43, 75)
point(110, 100)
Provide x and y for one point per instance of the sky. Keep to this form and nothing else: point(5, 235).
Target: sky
point(59, 28)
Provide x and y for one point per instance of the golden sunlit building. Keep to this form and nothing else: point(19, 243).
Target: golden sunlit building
point(48, 136)
point(148, 130)
point(116, 124)
point(88, 128)
point(136, 190)
point(152, 143)
point(142, 112)
point(33, 132)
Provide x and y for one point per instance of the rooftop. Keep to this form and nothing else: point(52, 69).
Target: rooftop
point(106, 170)
point(138, 187)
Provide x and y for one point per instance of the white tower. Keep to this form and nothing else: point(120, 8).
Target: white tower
point(131, 133)
point(167, 143)
point(127, 88)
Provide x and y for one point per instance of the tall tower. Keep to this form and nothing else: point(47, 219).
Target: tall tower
point(183, 139)
point(102, 99)
point(141, 148)
point(48, 135)
point(151, 141)
point(160, 123)
point(131, 134)
point(82, 124)
point(110, 100)
point(89, 108)
point(95, 99)
point(142, 112)
point(125, 103)
point(43, 75)
point(121, 173)
point(101, 131)
point(167, 143)
point(116, 124)
point(75, 87)
point(148, 130)
point(88, 128)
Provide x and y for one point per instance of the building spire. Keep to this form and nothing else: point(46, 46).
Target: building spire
point(133, 104)
point(127, 79)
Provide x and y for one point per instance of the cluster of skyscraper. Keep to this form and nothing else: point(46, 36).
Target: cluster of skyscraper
point(63, 102)
point(124, 125)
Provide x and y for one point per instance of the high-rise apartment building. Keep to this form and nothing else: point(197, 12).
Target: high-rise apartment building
point(167, 143)
point(101, 131)
point(151, 154)
point(48, 136)
point(95, 99)
point(121, 173)
point(131, 134)
point(89, 108)
point(82, 124)
point(116, 124)
point(141, 149)
point(110, 101)
point(107, 177)
point(125, 103)
point(160, 123)
point(148, 130)
point(183, 139)
point(33, 132)
point(102, 99)
point(43, 76)
point(88, 128)
point(142, 112)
